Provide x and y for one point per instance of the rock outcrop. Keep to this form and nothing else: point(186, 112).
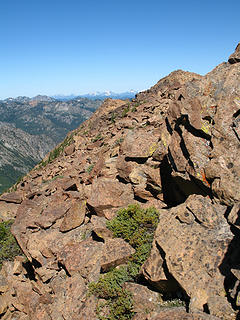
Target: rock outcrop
point(174, 147)
point(235, 57)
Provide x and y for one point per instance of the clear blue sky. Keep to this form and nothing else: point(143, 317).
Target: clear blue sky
point(74, 46)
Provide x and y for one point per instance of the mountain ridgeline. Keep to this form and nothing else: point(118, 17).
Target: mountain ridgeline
point(31, 127)
point(136, 216)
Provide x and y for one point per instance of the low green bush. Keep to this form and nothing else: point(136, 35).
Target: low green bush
point(134, 108)
point(89, 168)
point(136, 226)
point(122, 307)
point(113, 117)
point(97, 138)
point(118, 142)
point(110, 284)
point(125, 111)
point(119, 302)
point(8, 244)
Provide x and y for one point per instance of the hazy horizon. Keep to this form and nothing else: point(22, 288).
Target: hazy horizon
point(97, 93)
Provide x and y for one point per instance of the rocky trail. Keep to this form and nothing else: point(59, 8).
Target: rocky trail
point(175, 147)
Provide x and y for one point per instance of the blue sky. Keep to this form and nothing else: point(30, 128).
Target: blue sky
point(63, 47)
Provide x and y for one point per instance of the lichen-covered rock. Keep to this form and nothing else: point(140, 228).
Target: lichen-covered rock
point(139, 144)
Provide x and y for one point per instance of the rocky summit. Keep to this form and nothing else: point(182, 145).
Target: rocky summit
point(137, 215)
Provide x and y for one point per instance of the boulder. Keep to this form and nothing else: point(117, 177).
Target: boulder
point(115, 252)
point(88, 309)
point(81, 256)
point(108, 195)
point(179, 313)
point(235, 57)
point(74, 217)
point(139, 144)
point(144, 300)
point(69, 293)
point(12, 197)
point(124, 168)
point(69, 150)
point(8, 210)
point(193, 239)
point(153, 271)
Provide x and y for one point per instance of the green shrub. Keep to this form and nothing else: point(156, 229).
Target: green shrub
point(97, 138)
point(172, 303)
point(134, 108)
point(118, 142)
point(119, 301)
point(136, 226)
point(110, 284)
point(8, 245)
point(113, 117)
point(122, 307)
point(125, 111)
point(52, 179)
point(89, 169)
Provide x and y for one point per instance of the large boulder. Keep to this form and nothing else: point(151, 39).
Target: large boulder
point(115, 252)
point(108, 195)
point(193, 239)
point(139, 144)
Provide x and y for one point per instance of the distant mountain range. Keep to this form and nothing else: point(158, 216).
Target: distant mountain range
point(99, 95)
point(31, 127)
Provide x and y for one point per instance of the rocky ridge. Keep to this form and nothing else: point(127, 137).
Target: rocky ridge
point(175, 147)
